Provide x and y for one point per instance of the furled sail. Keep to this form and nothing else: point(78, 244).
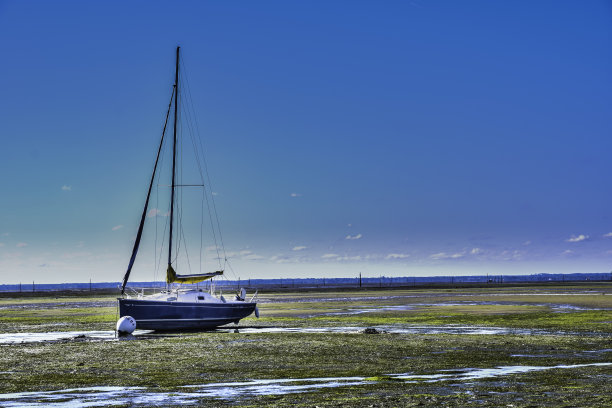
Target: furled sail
point(172, 276)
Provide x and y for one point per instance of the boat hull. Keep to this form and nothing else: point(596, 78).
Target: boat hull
point(162, 315)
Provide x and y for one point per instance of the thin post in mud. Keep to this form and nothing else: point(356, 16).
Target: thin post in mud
point(32, 286)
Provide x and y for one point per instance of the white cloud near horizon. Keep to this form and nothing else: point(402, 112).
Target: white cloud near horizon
point(299, 248)
point(397, 256)
point(295, 195)
point(328, 256)
point(349, 258)
point(116, 227)
point(475, 251)
point(608, 235)
point(66, 188)
point(21, 244)
point(578, 238)
point(444, 255)
point(253, 257)
point(353, 237)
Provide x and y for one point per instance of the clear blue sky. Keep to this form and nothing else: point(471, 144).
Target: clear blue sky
point(388, 138)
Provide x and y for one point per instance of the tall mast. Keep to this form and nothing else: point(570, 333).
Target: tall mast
point(176, 98)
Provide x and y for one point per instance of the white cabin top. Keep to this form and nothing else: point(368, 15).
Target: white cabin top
point(189, 296)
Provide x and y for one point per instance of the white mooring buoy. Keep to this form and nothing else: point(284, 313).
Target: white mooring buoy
point(126, 325)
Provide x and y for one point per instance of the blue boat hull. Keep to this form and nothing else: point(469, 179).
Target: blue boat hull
point(160, 315)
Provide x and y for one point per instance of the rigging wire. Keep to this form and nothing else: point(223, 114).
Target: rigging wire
point(198, 155)
point(182, 238)
point(199, 139)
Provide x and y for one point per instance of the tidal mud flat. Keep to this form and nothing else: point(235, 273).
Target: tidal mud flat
point(449, 347)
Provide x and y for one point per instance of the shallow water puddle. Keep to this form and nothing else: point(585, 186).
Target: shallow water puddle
point(109, 335)
point(20, 338)
point(232, 390)
point(95, 397)
point(138, 396)
point(484, 373)
point(56, 305)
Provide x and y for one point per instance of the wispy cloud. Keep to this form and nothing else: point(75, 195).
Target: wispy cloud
point(295, 195)
point(475, 251)
point(253, 257)
point(117, 227)
point(570, 254)
point(358, 236)
point(155, 212)
point(299, 248)
point(396, 256)
point(329, 256)
point(578, 238)
point(349, 258)
point(21, 244)
point(66, 188)
point(526, 243)
point(282, 259)
point(608, 235)
point(444, 255)
point(1, 244)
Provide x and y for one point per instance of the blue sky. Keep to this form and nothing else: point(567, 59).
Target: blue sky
point(397, 138)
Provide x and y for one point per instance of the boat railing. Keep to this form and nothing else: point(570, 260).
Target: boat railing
point(142, 291)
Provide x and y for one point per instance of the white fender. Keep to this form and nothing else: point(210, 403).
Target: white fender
point(126, 325)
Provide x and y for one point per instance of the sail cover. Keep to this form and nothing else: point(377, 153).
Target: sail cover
point(172, 276)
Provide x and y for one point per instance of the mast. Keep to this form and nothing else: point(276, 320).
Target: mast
point(176, 97)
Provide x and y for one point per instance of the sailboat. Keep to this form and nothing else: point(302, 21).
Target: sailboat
point(177, 307)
